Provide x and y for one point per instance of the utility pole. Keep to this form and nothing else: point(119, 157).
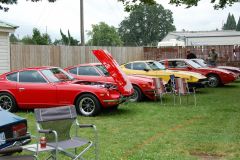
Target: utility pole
point(81, 23)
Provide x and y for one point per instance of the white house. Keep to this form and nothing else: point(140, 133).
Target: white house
point(204, 38)
point(5, 30)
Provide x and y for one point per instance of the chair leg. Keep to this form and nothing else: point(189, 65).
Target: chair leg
point(180, 100)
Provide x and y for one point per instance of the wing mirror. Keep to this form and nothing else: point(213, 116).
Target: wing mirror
point(145, 69)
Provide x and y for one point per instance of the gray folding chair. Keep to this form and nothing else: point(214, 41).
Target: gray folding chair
point(56, 124)
point(180, 88)
point(160, 89)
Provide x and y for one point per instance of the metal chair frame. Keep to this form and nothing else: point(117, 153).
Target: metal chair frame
point(57, 150)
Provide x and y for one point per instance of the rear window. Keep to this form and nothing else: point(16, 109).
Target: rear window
point(12, 77)
point(73, 71)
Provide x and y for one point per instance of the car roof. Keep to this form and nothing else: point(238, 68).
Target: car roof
point(30, 68)
point(84, 64)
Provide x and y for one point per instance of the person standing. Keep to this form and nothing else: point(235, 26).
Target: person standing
point(212, 57)
point(190, 55)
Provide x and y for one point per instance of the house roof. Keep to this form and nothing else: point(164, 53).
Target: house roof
point(192, 34)
point(7, 27)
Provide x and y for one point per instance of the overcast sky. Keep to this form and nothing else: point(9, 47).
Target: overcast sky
point(65, 14)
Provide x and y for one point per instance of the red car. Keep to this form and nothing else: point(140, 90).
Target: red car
point(97, 73)
point(52, 86)
point(215, 76)
point(202, 63)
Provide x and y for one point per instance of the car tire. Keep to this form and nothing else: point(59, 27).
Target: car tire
point(213, 80)
point(8, 102)
point(137, 95)
point(88, 105)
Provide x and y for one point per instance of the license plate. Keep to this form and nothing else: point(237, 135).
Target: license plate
point(2, 138)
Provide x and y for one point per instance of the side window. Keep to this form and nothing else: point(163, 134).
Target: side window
point(139, 66)
point(172, 64)
point(31, 76)
point(128, 66)
point(12, 77)
point(87, 70)
point(73, 70)
point(181, 64)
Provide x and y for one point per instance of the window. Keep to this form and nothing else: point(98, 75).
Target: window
point(12, 77)
point(87, 70)
point(139, 66)
point(73, 70)
point(103, 69)
point(181, 64)
point(31, 76)
point(128, 66)
point(57, 75)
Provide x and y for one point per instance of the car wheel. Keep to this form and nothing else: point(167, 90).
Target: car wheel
point(137, 95)
point(88, 105)
point(213, 80)
point(7, 102)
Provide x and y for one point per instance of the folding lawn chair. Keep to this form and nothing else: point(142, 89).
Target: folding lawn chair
point(56, 124)
point(180, 88)
point(160, 89)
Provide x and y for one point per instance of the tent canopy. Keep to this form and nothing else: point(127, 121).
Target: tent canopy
point(171, 42)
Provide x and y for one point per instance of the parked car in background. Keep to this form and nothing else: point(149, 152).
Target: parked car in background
point(96, 73)
point(156, 69)
point(13, 129)
point(215, 76)
point(52, 86)
point(203, 63)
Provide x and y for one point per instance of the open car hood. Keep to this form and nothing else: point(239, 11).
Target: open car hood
point(124, 85)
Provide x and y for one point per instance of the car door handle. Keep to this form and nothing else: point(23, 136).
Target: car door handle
point(21, 89)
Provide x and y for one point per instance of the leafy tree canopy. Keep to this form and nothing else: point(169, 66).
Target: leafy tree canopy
point(104, 35)
point(5, 3)
point(66, 40)
point(146, 25)
point(37, 38)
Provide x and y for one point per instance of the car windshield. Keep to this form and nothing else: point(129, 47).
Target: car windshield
point(57, 75)
point(154, 65)
point(103, 70)
point(201, 62)
point(194, 64)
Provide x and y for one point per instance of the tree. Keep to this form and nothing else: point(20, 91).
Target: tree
point(146, 25)
point(4, 3)
point(217, 4)
point(37, 38)
point(230, 24)
point(13, 38)
point(104, 35)
point(238, 25)
point(130, 4)
point(66, 40)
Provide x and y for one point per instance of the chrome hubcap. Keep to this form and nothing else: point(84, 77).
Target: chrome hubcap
point(87, 106)
point(213, 81)
point(6, 102)
point(134, 97)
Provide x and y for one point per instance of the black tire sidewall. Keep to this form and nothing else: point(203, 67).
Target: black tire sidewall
point(14, 103)
point(95, 100)
point(139, 92)
point(215, 76)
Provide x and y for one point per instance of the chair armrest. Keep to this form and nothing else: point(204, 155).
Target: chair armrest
point(86, 126)
point(47, 131)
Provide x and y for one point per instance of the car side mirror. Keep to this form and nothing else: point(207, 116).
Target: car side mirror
point(145, 69)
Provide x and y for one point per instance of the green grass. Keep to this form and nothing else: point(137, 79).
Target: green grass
point(151, 131)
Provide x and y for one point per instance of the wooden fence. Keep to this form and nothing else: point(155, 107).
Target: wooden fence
point(36, 55)
point(39, 55)
point(227, 55)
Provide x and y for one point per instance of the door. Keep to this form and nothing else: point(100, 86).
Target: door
point(35, 91)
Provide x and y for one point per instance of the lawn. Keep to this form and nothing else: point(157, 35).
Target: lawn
point(151, 131)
